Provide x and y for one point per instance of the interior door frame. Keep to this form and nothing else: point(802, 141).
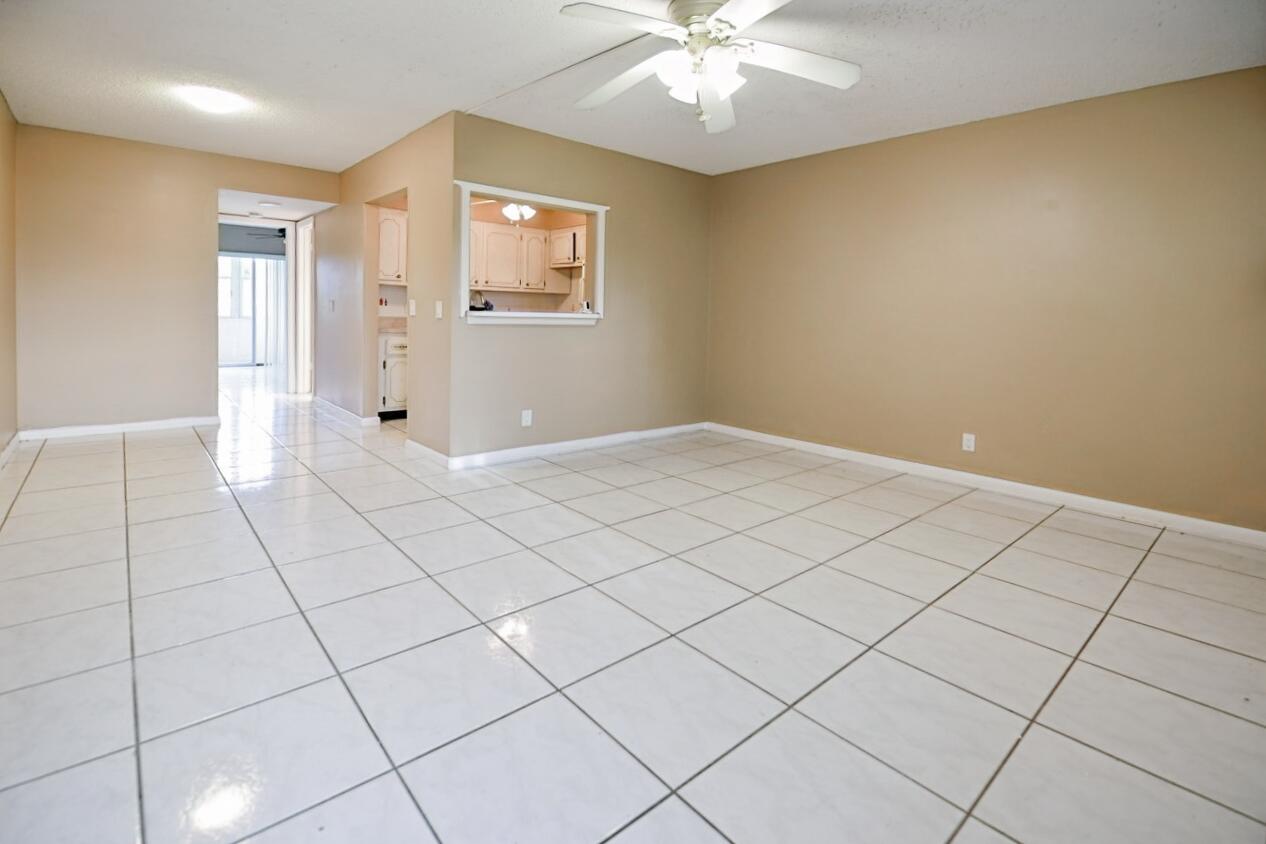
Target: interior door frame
point(291, 286)
point(303, 314)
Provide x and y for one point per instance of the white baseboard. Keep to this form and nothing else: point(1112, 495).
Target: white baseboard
point(526, 452)
point(116, 428)
point(1131, 512)
point(346, 415)
point(10, 448)
point(425, 451)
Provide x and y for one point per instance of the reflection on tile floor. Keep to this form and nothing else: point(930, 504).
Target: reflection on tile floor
point(285, 629)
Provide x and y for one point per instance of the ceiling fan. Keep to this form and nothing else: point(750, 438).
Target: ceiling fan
point(703, 70)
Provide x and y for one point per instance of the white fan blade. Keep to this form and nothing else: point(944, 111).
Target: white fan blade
point(834, 72)
point(619, 17)
point(720, 112)
point(607, 92)
point(738, 15)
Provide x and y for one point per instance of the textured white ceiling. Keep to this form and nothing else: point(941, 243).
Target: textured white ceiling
point(335, 81)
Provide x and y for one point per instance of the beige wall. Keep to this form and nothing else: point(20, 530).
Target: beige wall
point(8, 342)
point(1083, 287)
point(116, 274)
point(640, 367)
point(421, 164)
point(340, 365)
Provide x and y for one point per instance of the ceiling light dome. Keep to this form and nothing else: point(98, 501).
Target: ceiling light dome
point(212, 100)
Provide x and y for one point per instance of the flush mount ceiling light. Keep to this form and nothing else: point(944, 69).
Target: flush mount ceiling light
point(268, 203)
point(703, 72)
point(212, 100)
point(516, 213)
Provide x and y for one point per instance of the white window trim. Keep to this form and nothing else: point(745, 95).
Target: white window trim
point(529, 317)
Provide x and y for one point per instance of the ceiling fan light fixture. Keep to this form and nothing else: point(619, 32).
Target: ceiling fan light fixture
point(676, 69)
point(687, 92)
point(703, 69)
point(721, 65)
point(726, 83)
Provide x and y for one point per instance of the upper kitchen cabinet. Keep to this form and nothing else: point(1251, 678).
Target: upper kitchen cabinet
point(502, 264)
point(532, 254)
point(567, 247)
point(393, 236)
point(504, 257)
point(478, 254)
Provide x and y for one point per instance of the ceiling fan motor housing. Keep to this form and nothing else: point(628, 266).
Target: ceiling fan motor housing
point(688, 12)
point(693, 15)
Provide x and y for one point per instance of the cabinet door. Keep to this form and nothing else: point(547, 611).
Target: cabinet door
point(582, 233)
point(560, 248)
point(478, 274)
point(533, 256)
point(395, 384)
point(501, 256)
point(558, 280)
point(392, 235)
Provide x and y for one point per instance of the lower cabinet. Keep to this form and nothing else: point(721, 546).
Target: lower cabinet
point(393, 372)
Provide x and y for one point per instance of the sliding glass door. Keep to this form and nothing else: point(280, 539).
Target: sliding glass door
point(252, 310)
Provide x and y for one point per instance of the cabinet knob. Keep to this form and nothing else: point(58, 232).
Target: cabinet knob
point(397, 275)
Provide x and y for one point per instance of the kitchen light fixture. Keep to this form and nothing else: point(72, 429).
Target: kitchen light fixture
point(213, 100)
point(515, 213)
point(268, 203)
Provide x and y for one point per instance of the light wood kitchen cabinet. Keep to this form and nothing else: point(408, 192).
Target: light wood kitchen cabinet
point(507, 257)
point(567, 246)
point(477, 233)
point(393, 236)
point(502, 266)
point(532, 254)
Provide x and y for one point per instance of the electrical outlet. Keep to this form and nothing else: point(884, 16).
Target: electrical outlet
point(525, 418)
point(969, 442)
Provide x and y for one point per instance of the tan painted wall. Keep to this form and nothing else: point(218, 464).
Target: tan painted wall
point(116, 273)
point(8, 327)
point(340, 364)
point(421, 163)
point(1083, 287)
point(640, 367)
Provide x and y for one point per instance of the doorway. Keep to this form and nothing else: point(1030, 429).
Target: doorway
point(254, 269)
point(266, 288)
point(251, 309)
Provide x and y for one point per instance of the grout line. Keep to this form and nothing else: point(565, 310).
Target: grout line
point(1049, 695)
point(337, 672)
point(790, 706)
point(131, 635)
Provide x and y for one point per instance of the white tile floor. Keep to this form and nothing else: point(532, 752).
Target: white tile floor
point(283, 629)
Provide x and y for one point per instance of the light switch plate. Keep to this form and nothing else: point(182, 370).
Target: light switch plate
point(969, 442)
point(525, 418)
point(413, 307)
point(439, 308)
